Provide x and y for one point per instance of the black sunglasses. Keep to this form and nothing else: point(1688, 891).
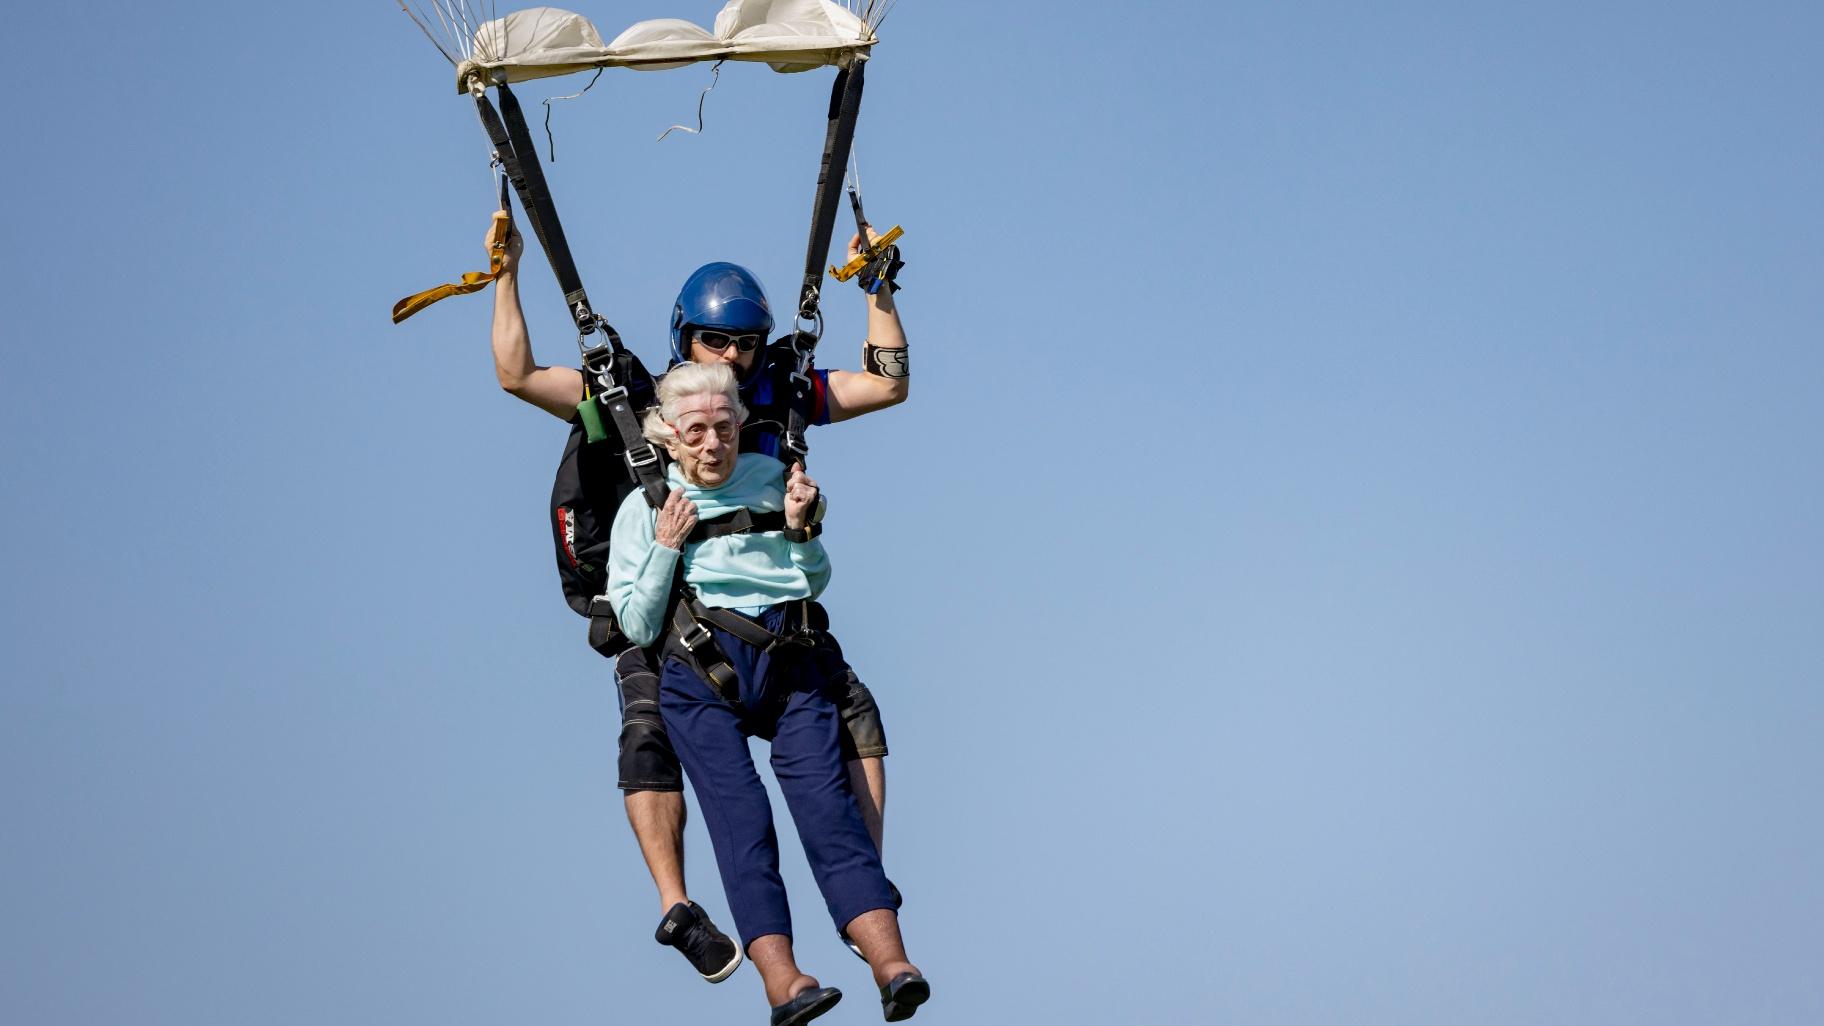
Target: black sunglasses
point(720, 340)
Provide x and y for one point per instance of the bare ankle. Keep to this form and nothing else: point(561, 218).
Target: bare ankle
point(887, 971)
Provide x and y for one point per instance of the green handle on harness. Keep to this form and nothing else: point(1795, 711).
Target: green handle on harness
point(592, 420)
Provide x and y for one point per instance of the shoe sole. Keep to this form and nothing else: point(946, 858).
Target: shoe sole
point(904, 1005)
point(726, 971)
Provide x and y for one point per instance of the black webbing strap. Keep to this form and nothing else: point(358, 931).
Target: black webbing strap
point(839, 138)
point(518, 154)
point(741, 521)
point(608, 367)
point(604, 631)
point(700, 649)
point(689, 632)
point(747, 631)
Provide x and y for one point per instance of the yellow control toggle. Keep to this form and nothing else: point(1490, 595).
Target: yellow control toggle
point(867, 255)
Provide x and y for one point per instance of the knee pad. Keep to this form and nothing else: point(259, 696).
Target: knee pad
point(647, 762)
point(863, 736)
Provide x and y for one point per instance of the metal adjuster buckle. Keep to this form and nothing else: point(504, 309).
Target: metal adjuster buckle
point(696, 637)
point(642, 462)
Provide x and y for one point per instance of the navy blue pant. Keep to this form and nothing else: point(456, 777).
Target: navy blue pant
point(784, 701)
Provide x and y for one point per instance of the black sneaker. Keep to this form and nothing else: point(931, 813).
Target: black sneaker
point(844, 934)
point(687, 928)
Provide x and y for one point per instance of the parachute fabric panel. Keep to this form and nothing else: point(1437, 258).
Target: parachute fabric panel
point(790, 35)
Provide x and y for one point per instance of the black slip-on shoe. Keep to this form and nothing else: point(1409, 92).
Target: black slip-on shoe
point(810, 1003)
point(687, 928)
point(900, 999)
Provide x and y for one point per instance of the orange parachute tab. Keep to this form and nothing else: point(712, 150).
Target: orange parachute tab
point(472, 281)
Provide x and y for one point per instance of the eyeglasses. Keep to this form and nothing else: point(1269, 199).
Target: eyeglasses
point(698, 434)
point(720, 340)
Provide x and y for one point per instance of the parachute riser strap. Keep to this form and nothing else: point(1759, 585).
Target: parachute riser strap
point(508, 160)
point(839, 138)
point(518, 156)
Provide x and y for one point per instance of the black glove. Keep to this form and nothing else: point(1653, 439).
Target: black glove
point(881, 271)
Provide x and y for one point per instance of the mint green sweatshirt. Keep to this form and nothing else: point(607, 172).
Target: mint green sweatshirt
point(739, 571)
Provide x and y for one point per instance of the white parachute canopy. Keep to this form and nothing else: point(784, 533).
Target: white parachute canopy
point(790, 35)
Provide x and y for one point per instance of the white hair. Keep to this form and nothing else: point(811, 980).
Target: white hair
point(682, 382)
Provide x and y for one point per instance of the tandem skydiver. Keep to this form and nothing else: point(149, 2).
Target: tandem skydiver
point(739, 661)
point(721, 317)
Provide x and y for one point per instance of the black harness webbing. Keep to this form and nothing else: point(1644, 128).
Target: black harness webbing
point(604, 632)
point(608, 367)
point(517, 154)
point(741, 521)
point(839, 138)
point(691, 640)
point(689, 637)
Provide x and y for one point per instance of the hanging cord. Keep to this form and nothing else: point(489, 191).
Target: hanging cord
point(550, 142)
point(715, 75)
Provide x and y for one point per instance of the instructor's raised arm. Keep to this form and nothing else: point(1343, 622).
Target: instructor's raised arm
point(885, 378)
point(556, 390)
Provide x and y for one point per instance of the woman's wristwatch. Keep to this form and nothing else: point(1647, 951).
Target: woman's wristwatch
point(812, 529)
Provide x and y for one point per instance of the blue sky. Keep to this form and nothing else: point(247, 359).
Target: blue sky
point(1351, 555)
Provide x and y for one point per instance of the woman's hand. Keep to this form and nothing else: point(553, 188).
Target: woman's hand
point(676, 518)
point(800, 498)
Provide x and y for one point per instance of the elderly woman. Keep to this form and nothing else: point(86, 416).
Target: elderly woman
point(747, 591)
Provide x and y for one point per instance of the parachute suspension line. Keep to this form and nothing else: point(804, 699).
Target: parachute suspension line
point(715, 75)
point(550, 141)
point(455, 27)
point(459, 25)
point(421, 22)
point(871, 12)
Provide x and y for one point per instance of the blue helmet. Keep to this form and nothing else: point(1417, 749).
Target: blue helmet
point(720, 295)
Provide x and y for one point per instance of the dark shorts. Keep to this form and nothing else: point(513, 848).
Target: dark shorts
point(647, 761)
